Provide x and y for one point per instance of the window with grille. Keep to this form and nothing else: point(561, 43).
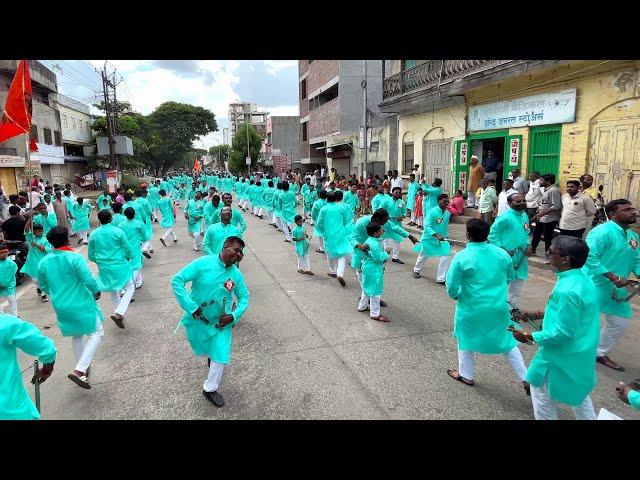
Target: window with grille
point(407, 157)
point(47, 136)
point(303, 89)
point(33, 133)
point(304, 132)
point(58, 138)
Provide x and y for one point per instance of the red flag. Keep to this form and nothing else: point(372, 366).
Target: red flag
point(196, 165)
point(16, 118)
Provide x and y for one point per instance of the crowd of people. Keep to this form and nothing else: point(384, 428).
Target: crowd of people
point(486, 279)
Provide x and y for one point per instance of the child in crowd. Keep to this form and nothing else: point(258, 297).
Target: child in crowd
point(373, 273)
point(418, 209)
point(301, 239)
point(8, 269)
point(39, 247)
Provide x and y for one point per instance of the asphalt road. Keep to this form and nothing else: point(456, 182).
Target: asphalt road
point(302, 351)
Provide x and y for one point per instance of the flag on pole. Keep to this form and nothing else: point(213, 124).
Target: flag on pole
point(196, 165)
point(16, 117)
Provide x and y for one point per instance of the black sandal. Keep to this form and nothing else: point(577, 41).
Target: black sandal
point(460, 378)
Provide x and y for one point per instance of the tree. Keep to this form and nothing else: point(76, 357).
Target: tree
point(239, 148)
point(189, 157)
point(220, 154)
point(176, 126)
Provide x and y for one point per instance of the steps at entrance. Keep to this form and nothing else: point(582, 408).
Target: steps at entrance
point(467, 214)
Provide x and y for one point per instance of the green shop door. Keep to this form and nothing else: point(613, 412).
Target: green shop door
point(544, 149)
point(461, 166)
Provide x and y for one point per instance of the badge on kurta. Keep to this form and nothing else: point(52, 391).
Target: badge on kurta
point(439, 221)
point(633, 243)
point(526, 226)
point(229, 285)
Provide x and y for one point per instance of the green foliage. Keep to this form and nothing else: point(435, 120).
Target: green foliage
point(239, 148)
point(220, 154)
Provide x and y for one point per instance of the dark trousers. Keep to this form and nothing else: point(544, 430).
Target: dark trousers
point(547, 230)
point(572, 233)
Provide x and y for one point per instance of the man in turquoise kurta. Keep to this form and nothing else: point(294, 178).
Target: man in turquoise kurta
point(373, 273)
point(237, 220)
point(39, 247)
point(47, 219)
point(8, 269)
point(154, 198)
point(563, 369)
point(64, 275)
point(396, 214)
point(308, 197)
point(288, 204)
point(351, 198)
point(412, 190)
point(277, 206)
point(194, 214)
point(381, 200)
point(315, 211)
point(269, 195)
point(101, 198)
point(117, 217)
point(210, 209)
point(209, 316)
point(167, 209)
point(218, 232)
point(478, 279)
point(143, 215)
point(109, 248)
point(510, 231)
point(431, 193)
point(433, 242)
point(81, 211)
point(332, 222)
point(614, 254)
point(137, 234)
point(15, 334)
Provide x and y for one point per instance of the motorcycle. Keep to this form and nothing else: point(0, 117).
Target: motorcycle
point(601, 215)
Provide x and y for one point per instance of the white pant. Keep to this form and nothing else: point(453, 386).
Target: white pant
point(304, 263)
point(515, 290)
point(614, 328)
point(278, 221)
point(84, 347)
point(513, 356)
point(395, 247)
point(545, 408)
point(337, 265)
point(212, 382)
point(471, 199)
point(83, 235)
point(372, 302)
point(273, 218)
point(420, 221)
point(321, 242)
point(443, 266)
point(146, 246)
point(168, 233)
point(285, 229)
point(70, 227)
point(137, 278)
point(257, 211)
point(13, 305)
point(359, 277)
point(197, 240)
point(155, 213)
point(122, 302)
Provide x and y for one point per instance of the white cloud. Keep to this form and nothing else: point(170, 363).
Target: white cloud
point(274, 66)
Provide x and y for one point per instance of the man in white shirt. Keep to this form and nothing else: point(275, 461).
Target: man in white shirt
point(576, 208)
point(507, 189)
point(519, 183)
point(534, 194)
point(416, 171)
point(33, 197)
point(396, 181)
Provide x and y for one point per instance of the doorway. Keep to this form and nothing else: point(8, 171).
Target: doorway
point(437, 162)
point(481, 148)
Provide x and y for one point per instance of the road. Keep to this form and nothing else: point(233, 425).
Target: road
point(302, 351)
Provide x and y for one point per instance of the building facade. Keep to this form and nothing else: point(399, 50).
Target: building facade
point(241, 113)
point(46, 129)
point(552, 116)
point(282, 139)
point(331, 115)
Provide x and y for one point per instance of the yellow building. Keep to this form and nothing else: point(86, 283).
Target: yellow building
point(561, 117)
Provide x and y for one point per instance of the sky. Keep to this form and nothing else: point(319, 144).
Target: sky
point(211, 84)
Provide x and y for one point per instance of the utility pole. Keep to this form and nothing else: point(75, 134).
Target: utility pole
point(364, 117)
point(248, 152)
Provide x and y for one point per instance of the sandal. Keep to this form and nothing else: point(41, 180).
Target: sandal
point(80, 381)
point(460, 378)
point(380, 318)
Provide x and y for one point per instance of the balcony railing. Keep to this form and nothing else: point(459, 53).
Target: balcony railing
point(432, 72)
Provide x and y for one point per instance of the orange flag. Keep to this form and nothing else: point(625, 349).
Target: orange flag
point(196, 165)
point(16, 117)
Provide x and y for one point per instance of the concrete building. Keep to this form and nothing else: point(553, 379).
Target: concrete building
point(77, 139)
point(45, 127)
point(241, 113)
point(555, 116)
point(282, 139)
point(331, 114)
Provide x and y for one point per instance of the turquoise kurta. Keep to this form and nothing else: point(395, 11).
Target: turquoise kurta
point(352, 200)
point(289, 202)
point(8, 269)
point(315, 211)
point(165, 205)
point(48, 222)
point(117, 219)
point(209, 211)
point(332, 222)
point(215, 236)
point(109, 248)
point(277, 205)
point(373, 268)
point(136, 233)
point(359, 235)
point(412, 190)
point(143, 214)
point(612, 249)
point(34, 256)
point(269, 194)
point(101, 198)
point(301, 241)
point(81, 214)
point(435, 221)
point(478, 279)
point(308, 198)
point(154, 197)
point(211, 283)
point(195, 211)
point(634, 399)
point(430, 199)
point(568, 340)
point(510, 231)
point(237, 220)
point(65, 276)
point(381, 201)
point(15, 334)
